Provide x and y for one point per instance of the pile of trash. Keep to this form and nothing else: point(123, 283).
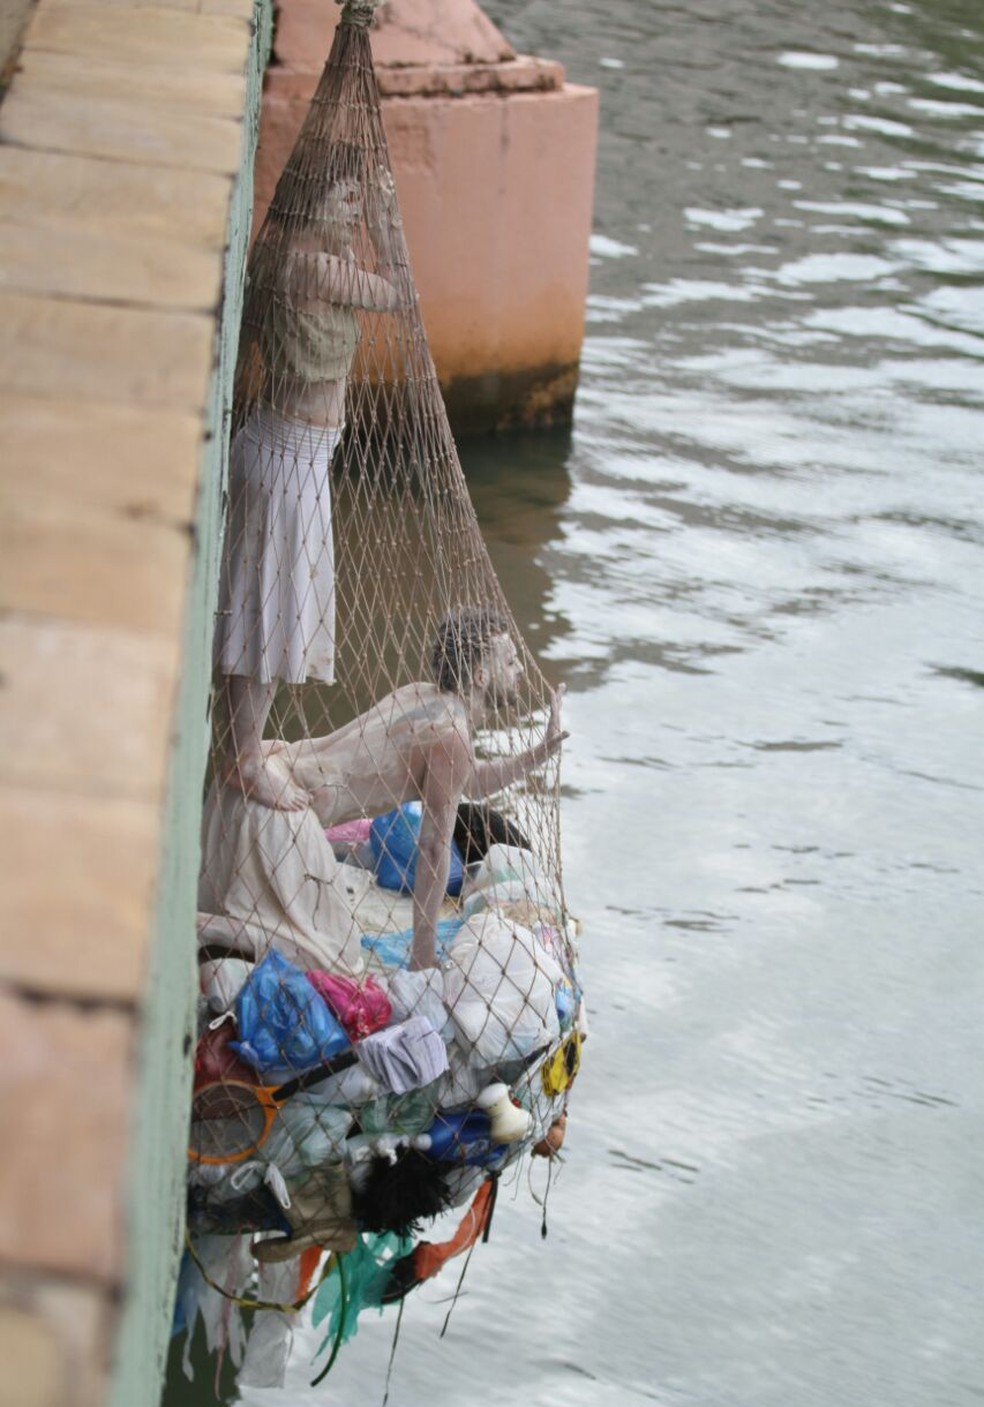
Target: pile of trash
point(338, 1113)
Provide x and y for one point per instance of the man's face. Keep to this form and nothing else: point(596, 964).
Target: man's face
point(501, 671)
point(343, 207)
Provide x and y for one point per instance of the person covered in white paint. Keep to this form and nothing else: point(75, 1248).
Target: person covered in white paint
point(276, 619)
point(416, 744)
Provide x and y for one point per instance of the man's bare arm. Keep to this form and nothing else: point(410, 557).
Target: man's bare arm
point(319, 277)
point(448, 766)
point(500, 772)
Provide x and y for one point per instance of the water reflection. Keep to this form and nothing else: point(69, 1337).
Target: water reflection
point(519, 484)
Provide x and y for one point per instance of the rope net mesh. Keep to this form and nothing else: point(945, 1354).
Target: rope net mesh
point(390, 1010)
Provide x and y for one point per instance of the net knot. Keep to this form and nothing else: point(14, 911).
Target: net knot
point(358, 12)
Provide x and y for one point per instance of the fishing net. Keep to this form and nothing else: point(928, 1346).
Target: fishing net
point(387, 965)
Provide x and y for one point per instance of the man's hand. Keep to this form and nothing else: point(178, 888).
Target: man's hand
point(387, 196)
point(498, 773)
point(555, 734)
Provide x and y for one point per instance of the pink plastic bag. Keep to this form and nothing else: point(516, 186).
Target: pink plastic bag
point(361, 1008)
point(349, 832)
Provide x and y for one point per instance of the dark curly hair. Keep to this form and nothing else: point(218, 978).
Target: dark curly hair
point(462, 640)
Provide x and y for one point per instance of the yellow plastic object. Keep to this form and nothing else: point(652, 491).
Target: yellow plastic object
point(558, 1072)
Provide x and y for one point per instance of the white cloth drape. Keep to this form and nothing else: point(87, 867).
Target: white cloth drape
point(277, 589)
point(274, 878)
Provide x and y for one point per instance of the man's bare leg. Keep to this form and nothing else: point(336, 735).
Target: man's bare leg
point(246, 765)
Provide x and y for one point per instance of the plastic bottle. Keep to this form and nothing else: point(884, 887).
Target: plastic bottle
point(509, 1122)
point(462, 1138)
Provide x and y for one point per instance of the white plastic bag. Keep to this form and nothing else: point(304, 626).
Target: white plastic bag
point(306, 1133)
point(417, 994)
point(499, 990)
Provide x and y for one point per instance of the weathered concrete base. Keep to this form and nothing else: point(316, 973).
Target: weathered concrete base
point(515, 400)
point(494, 157)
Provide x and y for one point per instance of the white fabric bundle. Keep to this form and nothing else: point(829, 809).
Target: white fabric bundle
point(274, 875)
point(499, 990)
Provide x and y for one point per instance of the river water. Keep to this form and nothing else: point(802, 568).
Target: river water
point(758, 562)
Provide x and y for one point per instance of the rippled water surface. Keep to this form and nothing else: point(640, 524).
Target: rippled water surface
point(758, 563)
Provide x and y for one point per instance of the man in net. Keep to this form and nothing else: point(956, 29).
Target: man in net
point(276, 619)
point(418, 744)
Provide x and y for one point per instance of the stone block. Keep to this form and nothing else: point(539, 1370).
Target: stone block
point(58, 559)
point(190, 6)
point(140, 463)
point(85, 708)
point(51, 347)
point(118, 129)
point(64, 1120)
point(14, 15)
point(522, 75)
point(59, 259)
point(151, 37)
point(33, 1373)
point(497, 200)
point(403, 32)
point(190, 89)
point(54, 1342)
point(162, 203)
point(77, 893)
point(244, 8)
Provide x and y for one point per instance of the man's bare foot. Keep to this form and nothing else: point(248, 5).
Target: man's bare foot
point(260, 777)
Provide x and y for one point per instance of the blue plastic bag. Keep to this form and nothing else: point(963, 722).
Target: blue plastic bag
point(393, 949)
point(394, 838)
point(285, 1026)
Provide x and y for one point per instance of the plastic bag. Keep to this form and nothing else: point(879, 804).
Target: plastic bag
point(285, 1027)
point(504, 863)
point(420, 994)
point(394, 838)
point(221, 981)
point(357, 1285)
point(499, 990)
point(361, 1007)
point(394, 949)
point(307, 1134)
point(271, 1333)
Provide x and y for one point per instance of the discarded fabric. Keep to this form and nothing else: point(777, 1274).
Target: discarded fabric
point(404, 1057)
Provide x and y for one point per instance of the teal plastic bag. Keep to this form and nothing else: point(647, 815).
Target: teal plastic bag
point(356, 1283)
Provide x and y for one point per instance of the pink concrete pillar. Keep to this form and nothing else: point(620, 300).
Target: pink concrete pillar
point(493, 155)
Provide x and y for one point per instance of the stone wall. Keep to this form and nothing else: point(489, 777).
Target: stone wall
point(126, 149)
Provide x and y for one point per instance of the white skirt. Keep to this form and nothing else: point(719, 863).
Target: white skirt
point(277, 590)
